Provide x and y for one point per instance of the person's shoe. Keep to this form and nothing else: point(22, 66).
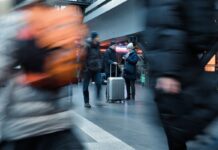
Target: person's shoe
point(87, 105)
point(127, 98)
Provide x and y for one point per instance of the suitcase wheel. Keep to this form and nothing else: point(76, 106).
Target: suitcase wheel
point(115, 101)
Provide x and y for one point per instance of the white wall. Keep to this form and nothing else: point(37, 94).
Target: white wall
point(127, 18)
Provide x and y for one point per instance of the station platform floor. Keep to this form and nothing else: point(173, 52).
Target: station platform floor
point(123, 126)
point(118, 126)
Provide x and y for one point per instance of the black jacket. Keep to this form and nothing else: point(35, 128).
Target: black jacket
point(177, 31)
point(130, 69)
point(93, 59)
point(110, 56)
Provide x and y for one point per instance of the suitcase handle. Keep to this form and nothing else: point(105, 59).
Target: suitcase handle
point(116, 70)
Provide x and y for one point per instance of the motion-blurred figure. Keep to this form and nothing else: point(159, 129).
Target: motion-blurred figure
point(130, 71)
point(35, 112)
point(93, 68)
point(177, 32)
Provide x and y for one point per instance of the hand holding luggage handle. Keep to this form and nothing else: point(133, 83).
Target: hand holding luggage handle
point(116, 70)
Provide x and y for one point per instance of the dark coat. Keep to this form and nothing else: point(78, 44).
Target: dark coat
point(177, 31)
point(93, 59)
point(110, 56)
point(130, 69)
point(175, 40)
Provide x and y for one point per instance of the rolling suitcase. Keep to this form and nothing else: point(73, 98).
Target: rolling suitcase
point(115, 88)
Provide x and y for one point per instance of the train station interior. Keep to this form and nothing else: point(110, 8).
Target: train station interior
point(129, 123)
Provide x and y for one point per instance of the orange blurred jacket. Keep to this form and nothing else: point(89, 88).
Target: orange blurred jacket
point(62, 30)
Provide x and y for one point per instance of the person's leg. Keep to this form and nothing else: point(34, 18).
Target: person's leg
point(86, 81)
point(172, 109)
point(127, 88)
point(174, 143)
point(133, 89)
point(175, 139)
point(98, 84)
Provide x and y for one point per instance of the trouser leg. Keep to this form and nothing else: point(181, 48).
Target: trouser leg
point(128, 87)
point(98, 84)
point(86, 81)
point(133, 88)
point(175, 141)
point(171, 109)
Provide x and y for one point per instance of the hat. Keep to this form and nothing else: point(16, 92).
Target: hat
point(130, 46)
point(94, 35)
point(113, 43)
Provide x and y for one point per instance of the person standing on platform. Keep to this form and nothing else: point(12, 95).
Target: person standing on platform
point(93, 68)
point(130, 71)
point(110, 60)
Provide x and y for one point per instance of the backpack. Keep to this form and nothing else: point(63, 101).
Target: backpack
point(50, 47)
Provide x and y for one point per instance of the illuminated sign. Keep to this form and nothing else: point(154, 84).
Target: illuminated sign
point(121, 49)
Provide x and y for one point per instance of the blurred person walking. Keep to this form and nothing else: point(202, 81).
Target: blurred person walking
point(93, 68)
point(130, 71)
point(184, 95)
point(35, 117)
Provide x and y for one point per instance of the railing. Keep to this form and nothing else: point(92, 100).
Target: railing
point(95, 6)
point(100, 7)
point(80, 2)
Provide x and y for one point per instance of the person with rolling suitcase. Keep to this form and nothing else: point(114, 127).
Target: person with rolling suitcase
point(115, 87)
point(110, 58)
